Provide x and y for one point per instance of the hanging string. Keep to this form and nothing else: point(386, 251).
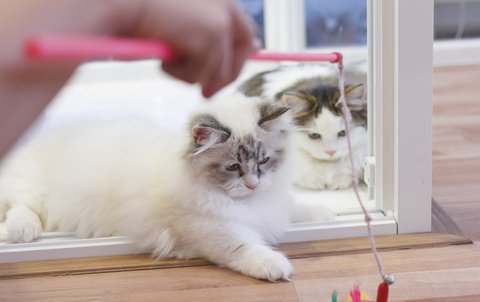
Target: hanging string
point(387, 278)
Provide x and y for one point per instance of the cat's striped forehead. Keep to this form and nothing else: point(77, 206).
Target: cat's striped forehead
point(325, 97)
point(239, 114)
point(318, 97)
point(249, 148)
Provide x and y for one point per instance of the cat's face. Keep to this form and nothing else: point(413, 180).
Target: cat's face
point(322, 133)
point(240, 158)
point(324, 137)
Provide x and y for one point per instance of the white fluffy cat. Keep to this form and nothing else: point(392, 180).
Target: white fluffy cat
point(218, 191)
point(311, 90)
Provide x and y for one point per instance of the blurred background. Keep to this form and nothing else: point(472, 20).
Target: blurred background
point(344, 23)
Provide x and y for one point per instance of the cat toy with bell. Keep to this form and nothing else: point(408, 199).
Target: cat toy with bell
point(387, 279)
point(55, 47)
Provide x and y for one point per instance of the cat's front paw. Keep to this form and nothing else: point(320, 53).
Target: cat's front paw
point(263, 263)
point(23, 231)
point(23, 226)
point(340, 181)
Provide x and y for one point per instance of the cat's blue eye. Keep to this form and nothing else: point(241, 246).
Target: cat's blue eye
point(264, 161)
point(342, 133)
point(314, 135)
point(233, 167)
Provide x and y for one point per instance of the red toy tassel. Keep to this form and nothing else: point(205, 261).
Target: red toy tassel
point(382, 293)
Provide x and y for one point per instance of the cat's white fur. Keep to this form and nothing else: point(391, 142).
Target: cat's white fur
point(130, 178)
point(314, 168)
point(288, 75)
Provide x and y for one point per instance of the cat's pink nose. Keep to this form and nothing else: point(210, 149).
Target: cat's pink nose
point(251, 181)
point(330, 152)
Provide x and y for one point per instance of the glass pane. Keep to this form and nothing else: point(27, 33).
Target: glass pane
point(336, 23)
point(457, 20)
point(255, 9)
point(326, 178)
point(105, 91)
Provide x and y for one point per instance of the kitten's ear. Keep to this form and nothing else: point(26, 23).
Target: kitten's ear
point(206, 132)
point(297, 102)
point(269, 114)
point(355, 91)
point(355, 96)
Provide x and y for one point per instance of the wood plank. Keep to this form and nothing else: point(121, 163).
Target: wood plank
point(456, 145)
point(206, 283)
point(453, 271)
point(474, 298)
point(362, 245)
point(293, 250)
point(397, 261)
point(420, 273)
point(442, 222)
point(467, 216)
point(409, 285)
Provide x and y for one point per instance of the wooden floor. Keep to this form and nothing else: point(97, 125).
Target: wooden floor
point(456, 146)
point(429, 274)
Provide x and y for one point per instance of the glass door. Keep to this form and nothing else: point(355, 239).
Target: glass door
point(389, 43)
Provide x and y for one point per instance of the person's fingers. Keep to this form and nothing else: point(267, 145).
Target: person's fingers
point(213, 38)
point(195, 55)
point(218, 70)
point(209, 77)
point(180, 70)
point(243, 31)
point(237, 45)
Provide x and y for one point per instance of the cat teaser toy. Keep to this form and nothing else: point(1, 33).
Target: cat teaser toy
point(80, 48)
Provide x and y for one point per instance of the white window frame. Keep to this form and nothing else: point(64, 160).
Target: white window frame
point(403, 73)
point(401, 49)
point(456, 52)
point(400, 44)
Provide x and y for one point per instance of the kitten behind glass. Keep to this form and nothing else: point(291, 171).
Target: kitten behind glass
point(217, 191)
point(311, 90)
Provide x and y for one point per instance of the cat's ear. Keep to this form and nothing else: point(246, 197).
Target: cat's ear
point(355, 96)
point(270, 114)
point(207, 132)
point(298, 103)
point(355, 91)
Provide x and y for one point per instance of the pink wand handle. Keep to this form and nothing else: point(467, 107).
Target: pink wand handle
point(332, 57)
point(58, 47)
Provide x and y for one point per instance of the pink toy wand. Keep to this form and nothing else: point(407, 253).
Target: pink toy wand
point(388, 279)
point(80, 48)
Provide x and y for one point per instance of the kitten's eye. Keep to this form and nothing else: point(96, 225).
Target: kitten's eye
point(233, 167)
point(314, 135)
point(264, 161)
point(342, 133)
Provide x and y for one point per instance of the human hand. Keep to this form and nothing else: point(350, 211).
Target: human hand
point(213, 37)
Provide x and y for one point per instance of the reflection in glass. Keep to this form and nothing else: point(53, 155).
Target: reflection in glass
point(255, 9)
point(336, 23)
point(457, 20)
